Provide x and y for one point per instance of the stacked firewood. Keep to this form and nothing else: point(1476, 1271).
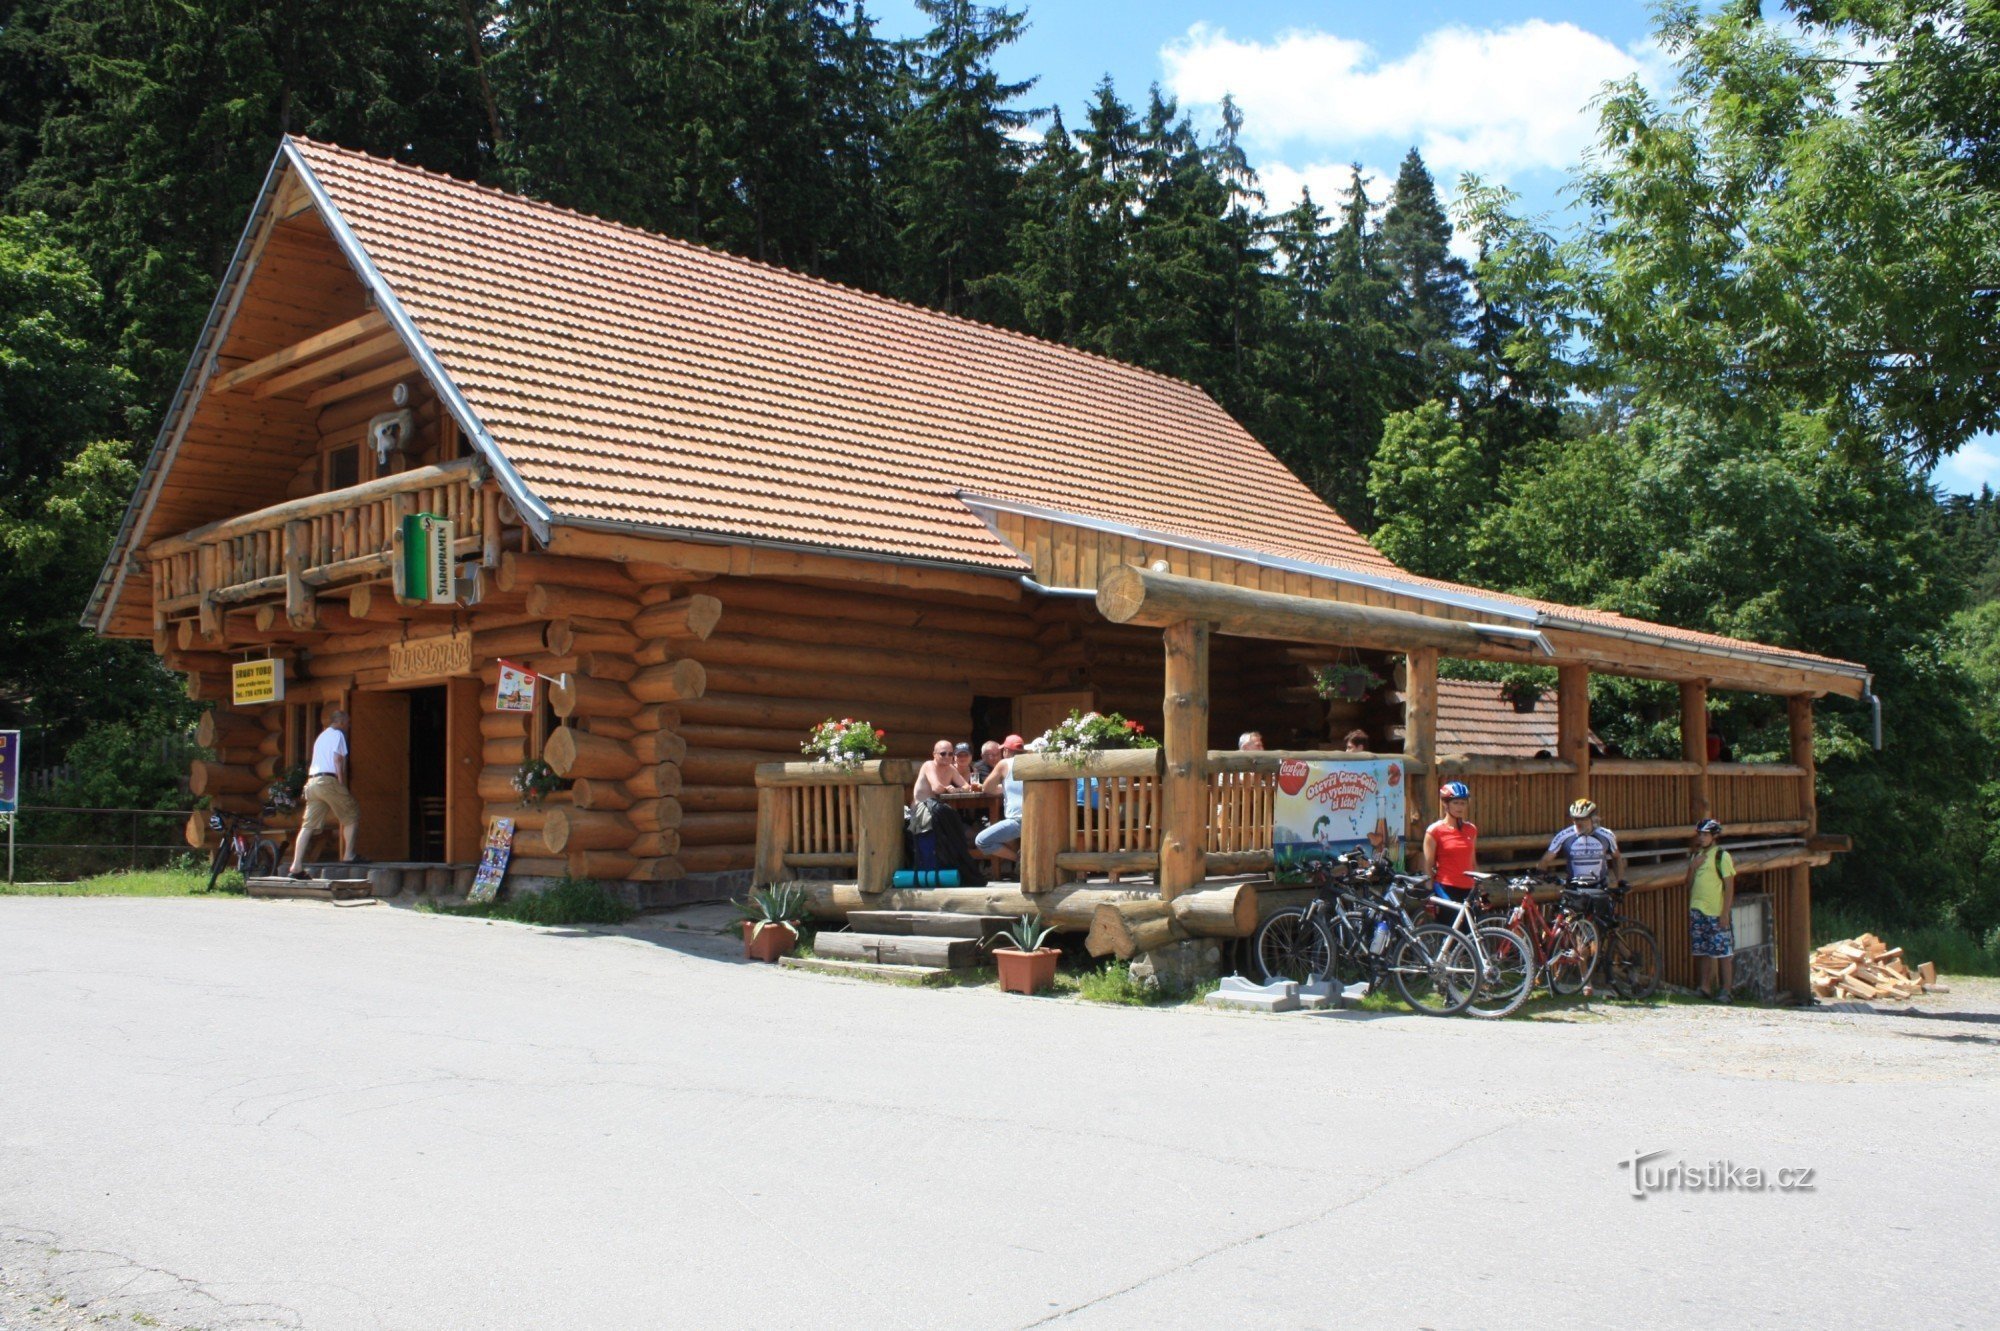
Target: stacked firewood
point(1868, 968)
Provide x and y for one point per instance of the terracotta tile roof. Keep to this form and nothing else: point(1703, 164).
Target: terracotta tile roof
point(632, 377)
point(1472, 717)
point(636, 378)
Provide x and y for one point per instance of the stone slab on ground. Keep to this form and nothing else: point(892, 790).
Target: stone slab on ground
point(1236, 993)
point(874, 970)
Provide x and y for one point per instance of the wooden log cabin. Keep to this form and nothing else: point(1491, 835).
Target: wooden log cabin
point(721, 502)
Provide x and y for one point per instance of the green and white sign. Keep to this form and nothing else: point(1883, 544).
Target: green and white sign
point(429, 571)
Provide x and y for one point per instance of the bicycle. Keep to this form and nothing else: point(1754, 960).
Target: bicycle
point(1349, 933)
point(1564, 944)
point(1506, 956)
point(243, 841)
point(1627, 956)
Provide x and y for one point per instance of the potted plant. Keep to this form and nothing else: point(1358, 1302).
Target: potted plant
point(844, 743)
point(1083, 733)
point(1345, 682)
point(771, 921)
point(284, 794)
point(534, 780)
point(1521, 692)
point(1026, 967)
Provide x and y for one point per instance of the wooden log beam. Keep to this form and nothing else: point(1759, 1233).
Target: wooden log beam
point(1185, 798)
point(1045, 833)
point(210, 778)
point(1799, 719)
point(587, 829)
point(332, 339)
point(551, 601)
point(656, 815)
point(1573, 727)
point(683, 619)
point(521, 572)
point(325, 366)
point(1128, 594)
point(653, 780)
point(671, 682)
point(580, 696)
point(576, 753)
point(768, 562)
point(795, 714)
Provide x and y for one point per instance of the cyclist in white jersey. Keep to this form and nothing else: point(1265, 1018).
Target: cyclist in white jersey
point(1591, 851)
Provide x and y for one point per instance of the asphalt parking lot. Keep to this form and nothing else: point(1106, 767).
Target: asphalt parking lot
point(224, 1114)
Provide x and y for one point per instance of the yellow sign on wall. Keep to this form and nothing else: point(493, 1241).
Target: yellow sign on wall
point(254, 683)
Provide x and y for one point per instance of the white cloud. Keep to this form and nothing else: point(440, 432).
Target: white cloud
point(1496, 101)
point(1976, 463)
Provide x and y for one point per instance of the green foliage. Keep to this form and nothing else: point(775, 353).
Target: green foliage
point(1026, 934)
point(1429, 486)
point(570, 901)
point(784, 903)
point(173, 882)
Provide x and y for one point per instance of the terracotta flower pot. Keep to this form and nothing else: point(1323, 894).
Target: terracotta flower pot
point(767, 942)
point(1026, 972)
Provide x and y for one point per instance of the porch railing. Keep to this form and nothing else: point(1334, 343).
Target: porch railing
point(820, 816)
point(323, 540)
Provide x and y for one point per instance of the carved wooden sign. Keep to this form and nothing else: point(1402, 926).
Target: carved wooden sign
point(430, 658)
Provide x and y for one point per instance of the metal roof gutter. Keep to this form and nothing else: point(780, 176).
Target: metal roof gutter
point(533, 511)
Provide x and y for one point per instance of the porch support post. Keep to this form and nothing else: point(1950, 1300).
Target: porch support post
point(1420, 712)
point(1795, 940)
point(1799, 712)
point(1694, 742)
point(1184, 792)
point(1573, 725)
point(774, 835)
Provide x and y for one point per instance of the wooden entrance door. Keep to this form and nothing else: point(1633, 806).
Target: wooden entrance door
point(1036, 712)
point(464, 809)
point(378, 744)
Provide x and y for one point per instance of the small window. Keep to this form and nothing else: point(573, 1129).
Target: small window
point(343, 467)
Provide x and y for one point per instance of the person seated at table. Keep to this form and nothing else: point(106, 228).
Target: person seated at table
point(961, 756)
point(1356, 741)
point(989, 758)
point(938, 775)
point(1251, 741)
point(1001, 839)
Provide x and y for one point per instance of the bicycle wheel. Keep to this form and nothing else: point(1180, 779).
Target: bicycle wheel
point(215, 864)
point(1509, 976)
point(1572, 952)
point(1435, 970)
point(262, 862)
point(1288, 946)
point(1633, 959)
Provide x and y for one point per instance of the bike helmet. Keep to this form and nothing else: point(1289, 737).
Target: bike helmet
point(1454, 790)
point(1583, 809)
point(1708, 825)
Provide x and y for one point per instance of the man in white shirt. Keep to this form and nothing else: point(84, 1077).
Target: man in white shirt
point(1592, 851)
point(327, 796)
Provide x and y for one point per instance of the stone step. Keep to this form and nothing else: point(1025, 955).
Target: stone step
point(899, 949)
point(871, 969)
point(930, 923)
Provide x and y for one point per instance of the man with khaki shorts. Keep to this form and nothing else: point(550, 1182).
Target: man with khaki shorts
point(327, 796)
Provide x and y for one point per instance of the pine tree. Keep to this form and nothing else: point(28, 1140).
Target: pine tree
point(954, 158)
point(1429, 310)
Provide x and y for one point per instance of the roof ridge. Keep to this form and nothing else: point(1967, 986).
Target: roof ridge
point(764, 265)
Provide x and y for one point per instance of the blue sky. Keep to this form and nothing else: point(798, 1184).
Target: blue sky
point(1499, 89)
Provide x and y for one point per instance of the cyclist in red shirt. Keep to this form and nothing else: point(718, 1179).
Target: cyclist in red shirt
point(1451, 844)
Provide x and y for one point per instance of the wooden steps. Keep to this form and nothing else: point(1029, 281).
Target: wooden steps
point(918, 945)
point(309, 889)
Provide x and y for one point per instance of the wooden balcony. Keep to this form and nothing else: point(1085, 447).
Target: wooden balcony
point(303, 547)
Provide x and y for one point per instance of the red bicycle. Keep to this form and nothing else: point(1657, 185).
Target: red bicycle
point(243, 844)
point(1565, 943)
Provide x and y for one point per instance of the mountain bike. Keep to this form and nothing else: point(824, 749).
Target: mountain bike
point(243, 845)
point(1627, 953)
point(1356, 929)
point(1506, 956)
point(1565, 944)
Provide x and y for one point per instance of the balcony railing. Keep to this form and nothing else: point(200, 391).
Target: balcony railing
point(297, 548)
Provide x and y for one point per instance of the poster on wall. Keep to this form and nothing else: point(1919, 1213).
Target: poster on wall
point(517, 688)
point(1325, 809)
point(256, 683)
point(493, 857)
point(429, 575)
point(10, 770)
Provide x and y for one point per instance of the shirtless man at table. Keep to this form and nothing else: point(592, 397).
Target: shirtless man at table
point(938, 775)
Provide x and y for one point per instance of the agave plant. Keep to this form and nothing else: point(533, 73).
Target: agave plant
point(784, 904)
point(1026, 934)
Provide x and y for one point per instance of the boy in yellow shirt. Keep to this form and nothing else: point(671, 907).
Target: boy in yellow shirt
point(1711, 884)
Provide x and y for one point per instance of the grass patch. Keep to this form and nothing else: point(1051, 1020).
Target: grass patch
point(1954, 949)
point(1113, 983)
point(571, 901)
point(133, 883)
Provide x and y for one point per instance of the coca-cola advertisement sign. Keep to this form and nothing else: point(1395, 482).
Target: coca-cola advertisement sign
point(1326, 808)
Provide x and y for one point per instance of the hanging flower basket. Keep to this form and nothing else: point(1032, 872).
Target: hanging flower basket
point(1346, 682)
point(1521, 694)
point(845, 743)
point(534, 781)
